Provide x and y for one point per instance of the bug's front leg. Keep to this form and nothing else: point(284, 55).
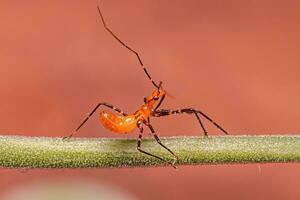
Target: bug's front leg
point(166, 112)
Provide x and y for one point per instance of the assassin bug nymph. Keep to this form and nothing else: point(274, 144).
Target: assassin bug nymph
point(124, 123)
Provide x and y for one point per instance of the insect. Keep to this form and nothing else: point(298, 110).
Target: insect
point(124, 123)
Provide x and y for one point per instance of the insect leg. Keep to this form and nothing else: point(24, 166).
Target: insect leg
point(159, 103)
point(126, 46)
point(91, 113)
point(165, 112)
point(139, 146)
point(159, 142)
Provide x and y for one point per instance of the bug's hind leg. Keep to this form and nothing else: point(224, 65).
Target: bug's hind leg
point(165, 112)
point(91, 113)
point(139, 147)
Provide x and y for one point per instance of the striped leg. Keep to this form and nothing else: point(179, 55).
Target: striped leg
point(91, 113)
point(139, 146)
point(165, 112)
point(159, 103)
point(159, 142)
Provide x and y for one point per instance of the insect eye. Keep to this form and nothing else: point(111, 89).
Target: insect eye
point(145, 100)
point(155, 98)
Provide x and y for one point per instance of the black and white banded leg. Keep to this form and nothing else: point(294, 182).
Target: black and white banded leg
point(159, 142)
point(139, 146)
point(165, 112)
point(91, 113)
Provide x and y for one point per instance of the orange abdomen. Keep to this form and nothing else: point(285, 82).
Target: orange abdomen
point(117, 123)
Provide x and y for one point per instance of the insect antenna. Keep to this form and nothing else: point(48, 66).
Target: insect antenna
point(126, 46)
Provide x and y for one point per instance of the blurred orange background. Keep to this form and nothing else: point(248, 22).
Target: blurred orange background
point(238, 61)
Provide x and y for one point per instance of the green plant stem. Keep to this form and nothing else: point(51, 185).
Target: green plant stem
point(46, 152)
